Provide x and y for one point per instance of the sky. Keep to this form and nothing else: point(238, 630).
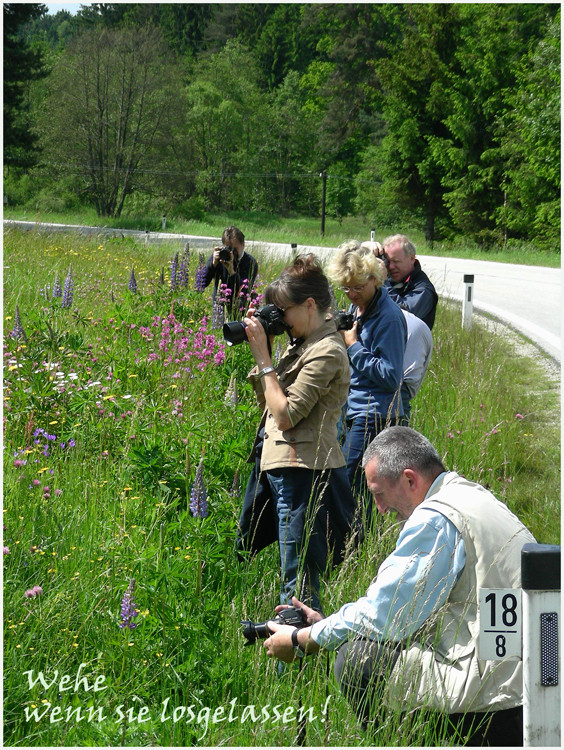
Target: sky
point(71, 7)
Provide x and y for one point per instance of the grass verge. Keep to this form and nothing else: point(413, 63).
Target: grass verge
point(110, 405)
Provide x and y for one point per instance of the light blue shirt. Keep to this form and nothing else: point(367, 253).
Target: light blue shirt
point(412, 583)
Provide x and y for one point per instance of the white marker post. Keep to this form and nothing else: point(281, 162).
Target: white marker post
point(164, 222)
point(540, 581)
point(467, 300)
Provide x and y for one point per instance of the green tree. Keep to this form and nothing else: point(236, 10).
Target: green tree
point(353, 37)
point(226, 115)
point(22, 65)
point(491, 40)
point(414, 78)
point(286, 149)
point(114, 99)
point(530, 144)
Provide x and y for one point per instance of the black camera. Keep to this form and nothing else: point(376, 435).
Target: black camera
point(290, 616)
point(226, 253)
point(271, 318)
point(344, 320)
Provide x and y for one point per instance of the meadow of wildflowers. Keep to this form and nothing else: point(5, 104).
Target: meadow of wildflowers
point(127, 424)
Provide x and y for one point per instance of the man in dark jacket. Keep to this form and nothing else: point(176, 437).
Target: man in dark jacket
point(236, 272)
point(408, 285)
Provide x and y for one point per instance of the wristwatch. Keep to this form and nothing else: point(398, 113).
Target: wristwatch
point(265, 371)
point(298, 650)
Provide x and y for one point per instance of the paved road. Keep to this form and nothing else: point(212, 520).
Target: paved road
point(528, 298)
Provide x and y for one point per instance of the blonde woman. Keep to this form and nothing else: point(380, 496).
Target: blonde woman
point(375, 347)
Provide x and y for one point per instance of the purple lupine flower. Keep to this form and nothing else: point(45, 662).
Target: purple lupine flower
point(199, 495)
point(218, 315)
point(132, 284)
point(234, 491)
point(18, 329)
point(200, 278)
point(231, 396)
point(128, 607)
point(183, 273)
point(68, 290)
point(57, 289)
point(174, 272)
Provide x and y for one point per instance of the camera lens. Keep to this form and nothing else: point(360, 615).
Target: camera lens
point(234, 333)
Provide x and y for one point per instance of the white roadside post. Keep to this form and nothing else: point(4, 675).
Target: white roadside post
point(467, 300)
point(164, 222)
point(540, 581)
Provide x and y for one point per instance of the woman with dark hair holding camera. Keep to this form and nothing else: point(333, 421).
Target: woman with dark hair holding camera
point(298, 493)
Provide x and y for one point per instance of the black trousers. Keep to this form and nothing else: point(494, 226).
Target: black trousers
point(362, 669)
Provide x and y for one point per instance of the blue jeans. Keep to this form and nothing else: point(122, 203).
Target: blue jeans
point(309, 513)
point(359, 433)
point(287, 491)
point(315, 512)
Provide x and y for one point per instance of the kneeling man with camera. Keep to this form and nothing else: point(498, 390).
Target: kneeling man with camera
point(411, 641)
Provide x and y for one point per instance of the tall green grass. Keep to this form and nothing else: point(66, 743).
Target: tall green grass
point(301, 230)
point(117, 507)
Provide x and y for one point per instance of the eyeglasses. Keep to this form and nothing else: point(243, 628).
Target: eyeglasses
point(355, 289)
point(282, 310)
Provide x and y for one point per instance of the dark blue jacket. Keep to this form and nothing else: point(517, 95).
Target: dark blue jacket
point(376, 359)
point(247, 268)
point(416, 294)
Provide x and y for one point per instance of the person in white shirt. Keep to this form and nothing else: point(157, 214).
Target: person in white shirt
point(418, 350)
point(411, 641)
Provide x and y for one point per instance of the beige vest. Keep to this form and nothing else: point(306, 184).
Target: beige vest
point(441, 665)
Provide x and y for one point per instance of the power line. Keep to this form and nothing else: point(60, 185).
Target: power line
point(77, 167)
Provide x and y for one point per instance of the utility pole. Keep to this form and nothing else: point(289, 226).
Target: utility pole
point(323, 176)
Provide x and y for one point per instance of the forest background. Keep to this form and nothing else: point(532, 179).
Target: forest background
point(441, 118)
point(119, 467)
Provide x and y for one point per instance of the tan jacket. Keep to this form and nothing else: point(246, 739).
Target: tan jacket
point(315, 377)
point(442, 668)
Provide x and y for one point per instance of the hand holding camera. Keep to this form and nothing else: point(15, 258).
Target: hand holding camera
point(280, 633)
point(269, 317)
point(294, 616)
point(226, 255)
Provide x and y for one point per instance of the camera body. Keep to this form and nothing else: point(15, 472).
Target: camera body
point(294, 616)
point(344, 320)
point(271, 319)
point(226, 253)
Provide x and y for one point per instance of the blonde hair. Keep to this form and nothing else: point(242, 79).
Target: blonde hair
point(355, 264)
point(406, 244)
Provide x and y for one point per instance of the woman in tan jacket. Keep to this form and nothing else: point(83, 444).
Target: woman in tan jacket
point(298, 492)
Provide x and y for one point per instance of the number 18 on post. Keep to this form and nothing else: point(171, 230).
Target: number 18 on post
point(500, 624)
